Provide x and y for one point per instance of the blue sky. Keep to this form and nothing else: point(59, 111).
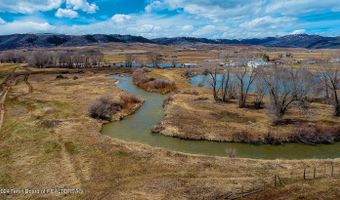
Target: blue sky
point(170, 18)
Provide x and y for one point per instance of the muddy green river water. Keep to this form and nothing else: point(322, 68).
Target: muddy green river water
point(137, 128)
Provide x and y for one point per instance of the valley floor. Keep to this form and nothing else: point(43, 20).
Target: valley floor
point(48, 141)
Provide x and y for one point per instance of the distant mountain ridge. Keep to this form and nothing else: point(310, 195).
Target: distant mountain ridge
point(289, 41)
point(60, 40)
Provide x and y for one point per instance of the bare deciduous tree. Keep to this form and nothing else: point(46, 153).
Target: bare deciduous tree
point(301, 83)
point(214, 83)
point(221, 83)
point(155, 58)
point(280, 80)
point(279, 91)
point(212, 70)
point(129, 59)
point(331, 78)
point(173, 60)
point(246, 76)
point(260, 89)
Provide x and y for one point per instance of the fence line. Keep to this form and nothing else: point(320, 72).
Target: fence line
point(301, 174)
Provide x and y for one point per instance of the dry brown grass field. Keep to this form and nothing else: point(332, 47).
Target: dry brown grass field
point(49, 141)
point(199, 52)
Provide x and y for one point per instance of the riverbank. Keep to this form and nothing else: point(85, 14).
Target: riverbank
point(192, 113)
point(48, 141)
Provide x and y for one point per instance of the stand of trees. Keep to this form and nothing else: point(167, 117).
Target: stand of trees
point(67, 59)
point(53, 58)
point(282, 85)
point(13, 56)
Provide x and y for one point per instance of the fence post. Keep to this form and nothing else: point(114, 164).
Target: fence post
point(304, 174)
point(275, 180)
point(314, 174)
point(279, 179)
point(291, 174)
point(332, 173)
point(242, 191)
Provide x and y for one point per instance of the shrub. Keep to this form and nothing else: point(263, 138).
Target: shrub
point(167, 101)
point(314, 135)
point(142, 81)
point(188, 73)
point(139, 77)
point(106, 106)
point(49, 123)
point(60, 77)
point(160, 84)
point(129, 99)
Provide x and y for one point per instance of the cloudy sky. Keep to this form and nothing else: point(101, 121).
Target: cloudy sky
point(169, 18)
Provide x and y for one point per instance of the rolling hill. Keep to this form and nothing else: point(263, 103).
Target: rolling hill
point(59, 40)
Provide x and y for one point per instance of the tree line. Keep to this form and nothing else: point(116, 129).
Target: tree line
point(54, 58)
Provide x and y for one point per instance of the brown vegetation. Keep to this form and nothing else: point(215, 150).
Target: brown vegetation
point(48, 135)
point(106, 106)
point(152, 84)
point(193, 116)
point(72, 154)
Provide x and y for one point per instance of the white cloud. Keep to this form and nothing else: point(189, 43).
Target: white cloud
point(216, 10)
point(67, 13)
point(144, 29)
point(154, 5)
point(299, 31)
point(294, 7)
point(31, 6)
point(120, 18)
point(26, 27)
point(199, 18)
point(82, 5)
point(267, 22)
point(205, 30)
point(187, 28)
point(26, 7)
point(147, 25)
point(2, 21)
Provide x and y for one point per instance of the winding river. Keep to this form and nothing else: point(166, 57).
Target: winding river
point(137, 128)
